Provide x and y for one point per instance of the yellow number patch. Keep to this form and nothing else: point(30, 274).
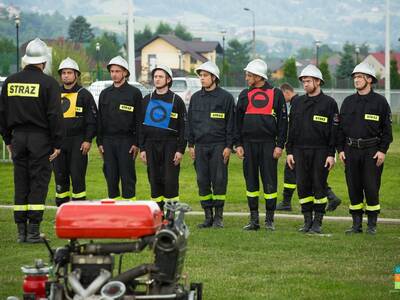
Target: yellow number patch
point(126, 108)
point(320, 119)
point(68, 104)
point(174, 115)
point(371, 117)
point(215, 115)
point(79, 109)
point(23, 90)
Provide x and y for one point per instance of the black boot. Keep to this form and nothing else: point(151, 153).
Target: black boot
point(269, 220)
point(308, 221)
point(286, 202)
point(33, 235)
point(21, 232)
point(372, 219)
point(219, 212)
point(333, 200)
point(209, 218)
point(357, 224)
point(317, 223)
point(254, 223)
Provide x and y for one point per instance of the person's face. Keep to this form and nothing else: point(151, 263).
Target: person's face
point(252, 79)
point(117, 74)
point(68, 76)
point(206, 79)
point(287, 94)
point(361, 81)
point(310, 84)
point(160, 79)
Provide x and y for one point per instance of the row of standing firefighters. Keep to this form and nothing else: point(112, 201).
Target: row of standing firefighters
point(44, 128)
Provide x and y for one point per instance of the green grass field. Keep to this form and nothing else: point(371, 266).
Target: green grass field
point(234, 264)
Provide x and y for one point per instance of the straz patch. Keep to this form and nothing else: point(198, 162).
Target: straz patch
point(68, 104)
point(215, 115)
point(320, 119)
point(79, 109)
point(174, 115)
point(126, 108)
point(23, 90)
point(371, 117)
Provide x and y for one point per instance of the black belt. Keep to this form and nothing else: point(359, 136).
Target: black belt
point(362, 143)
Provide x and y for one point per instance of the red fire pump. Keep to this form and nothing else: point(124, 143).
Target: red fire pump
point(87, 270)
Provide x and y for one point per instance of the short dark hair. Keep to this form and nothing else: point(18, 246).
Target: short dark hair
point(287, 87)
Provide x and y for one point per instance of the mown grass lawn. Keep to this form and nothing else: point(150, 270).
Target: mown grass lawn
point(234, 264)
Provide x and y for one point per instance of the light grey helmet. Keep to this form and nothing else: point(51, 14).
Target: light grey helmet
point(36, 52)
point(257, 67)
point(209, 67)
point(312, 71)
point(69, 63)
point(119, 61)
point(166, 69)
point(365, 68)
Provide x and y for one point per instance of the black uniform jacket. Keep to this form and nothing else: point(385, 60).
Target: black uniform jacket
point(211, 118)
point(80, 112)
point(257, 123)
point(30, 101)
point(119, 113)
point(365, 117)
point(313, 123)
point(176, 126)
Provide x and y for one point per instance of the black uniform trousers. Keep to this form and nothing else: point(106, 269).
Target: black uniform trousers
point(258, 159)
point(311, 176)
point(119, 165)
point(212, 174)
point(32, 173)
point(162, 173)
point(363, 177)
point(70, 166)
point(289, 181)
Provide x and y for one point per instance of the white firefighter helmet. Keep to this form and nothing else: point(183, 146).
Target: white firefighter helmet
point(119, 61)
point(69, 63)
point(164, 68)
point(36, 52)
point(311, 71)
point(209, 67)
point(365, 68)
point(257, 67)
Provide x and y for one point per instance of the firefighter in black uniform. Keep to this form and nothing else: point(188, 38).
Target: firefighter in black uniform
point(289, 181)
point(80, 114)
point(162, 137)
point(365, 134)
point(31, 118)
point(211, 131)
point(261, 128)
point(118, 131)
point(313, 123)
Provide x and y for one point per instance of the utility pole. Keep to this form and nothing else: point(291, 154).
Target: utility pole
point(131, 41)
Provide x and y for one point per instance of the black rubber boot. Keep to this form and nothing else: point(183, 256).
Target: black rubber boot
point(219, 213)
point(316, 227)
point(269, 220)
point(254, 223)
point(286, 203)
point(209, 218)
point(357, 224)
point(333, 200)
point(21, 232)
point(308, 221)
point(372, 220)
point(33, 236)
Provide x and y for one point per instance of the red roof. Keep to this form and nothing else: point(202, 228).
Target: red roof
point(380, 56)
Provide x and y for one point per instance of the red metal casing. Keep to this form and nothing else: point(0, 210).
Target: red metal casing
point(107, 219)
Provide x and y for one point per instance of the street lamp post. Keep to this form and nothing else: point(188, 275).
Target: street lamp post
point(317, 45)
point(357, 54)
point(17, 22)
point(254, 29)
point(223, 32)
point(97, 61)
